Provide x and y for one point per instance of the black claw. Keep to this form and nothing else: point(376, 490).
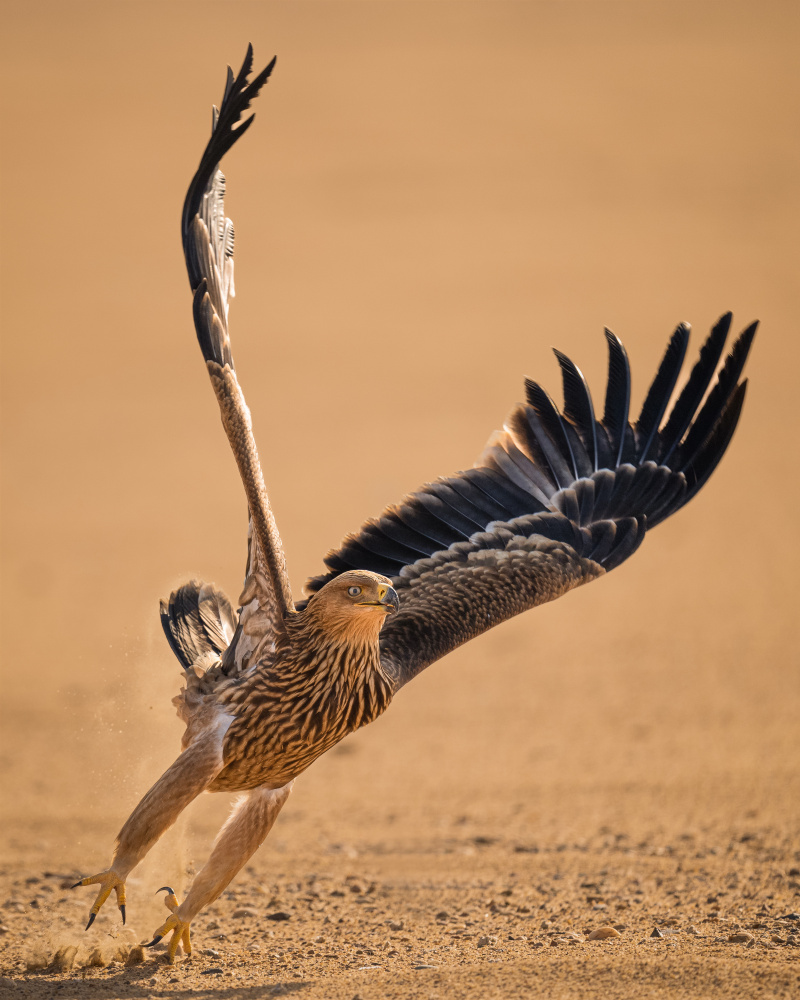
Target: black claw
point(155, 940)
point(76, 884)
point(91, 920)
point(165, 888)
point(122, 911)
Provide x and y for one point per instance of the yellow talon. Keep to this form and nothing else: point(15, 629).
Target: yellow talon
point(173, 923)
point(107, 881)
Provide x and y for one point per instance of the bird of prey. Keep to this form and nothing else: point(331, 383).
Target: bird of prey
point(557, 498)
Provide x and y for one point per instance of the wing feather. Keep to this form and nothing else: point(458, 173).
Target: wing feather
point(556, 499)
point(578, 406)
point(658, 396)
point(208, 243)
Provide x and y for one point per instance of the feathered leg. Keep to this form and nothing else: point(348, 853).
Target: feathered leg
point(238, 840)
point(191, 774)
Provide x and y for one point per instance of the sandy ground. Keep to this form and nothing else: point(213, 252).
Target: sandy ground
point(432, 196)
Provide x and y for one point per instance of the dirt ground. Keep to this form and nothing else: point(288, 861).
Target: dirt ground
point(432, 196)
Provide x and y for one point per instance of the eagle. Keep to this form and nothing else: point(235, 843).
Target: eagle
point(558, 497)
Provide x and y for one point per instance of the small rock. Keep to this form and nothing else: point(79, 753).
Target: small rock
point(693, 931)
point(14, 905)
point(280, 915)
point(212, 925)
point(3, 929)
point(603, 934)
point(135, 956)
point(64, 958)
point(212, 952)
point(205, 972)
point(356, 887)
point(485, 939)
point(656, 933)
point(245, 911)
point(254, 946)
point(395, 925)
point(741, 938)
point(422, 966)
point(442, 915)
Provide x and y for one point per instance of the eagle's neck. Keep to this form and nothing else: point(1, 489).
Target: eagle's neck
point(333, 674)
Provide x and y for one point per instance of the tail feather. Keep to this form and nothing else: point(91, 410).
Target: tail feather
point(198, 621)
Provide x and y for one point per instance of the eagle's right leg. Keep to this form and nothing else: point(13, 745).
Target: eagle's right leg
point(191, 774)
point(238, 840)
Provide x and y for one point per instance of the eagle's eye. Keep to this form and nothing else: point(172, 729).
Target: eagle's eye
point(354, 591)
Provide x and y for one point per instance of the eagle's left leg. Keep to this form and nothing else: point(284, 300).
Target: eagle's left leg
point(189, 775)
point(238, 840)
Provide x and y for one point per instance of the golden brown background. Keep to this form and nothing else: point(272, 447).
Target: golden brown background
point(434, 194)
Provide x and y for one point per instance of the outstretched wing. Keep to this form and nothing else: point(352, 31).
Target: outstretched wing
point(555, 500)
point(208, 249)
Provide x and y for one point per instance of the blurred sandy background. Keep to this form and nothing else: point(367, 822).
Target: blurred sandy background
point(433, 195)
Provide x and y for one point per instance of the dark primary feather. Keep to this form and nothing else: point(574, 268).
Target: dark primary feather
point(660, 392)
point(555, 499)
point(578, 406)
point(236, 100)
point(206, 233)
point(695, 388)
point(618, 396)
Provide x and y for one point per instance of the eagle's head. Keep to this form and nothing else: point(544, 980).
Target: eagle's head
point(353, 605)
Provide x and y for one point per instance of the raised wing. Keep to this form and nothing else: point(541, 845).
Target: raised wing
point(555, 500)
point(208, 248)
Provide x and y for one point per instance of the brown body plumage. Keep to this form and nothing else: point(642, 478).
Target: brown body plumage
point(556, 499)
point(322, 681)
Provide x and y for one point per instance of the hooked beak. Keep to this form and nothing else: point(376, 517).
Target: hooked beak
point(387, 599)
point(391, 601)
